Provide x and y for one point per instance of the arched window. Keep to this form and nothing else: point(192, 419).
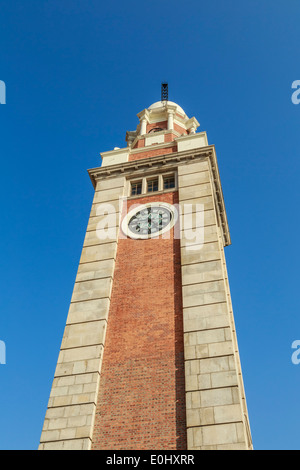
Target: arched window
point(155, 129)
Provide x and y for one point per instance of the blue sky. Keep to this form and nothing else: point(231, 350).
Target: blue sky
point(77, 73)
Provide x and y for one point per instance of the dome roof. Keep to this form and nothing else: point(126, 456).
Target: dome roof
point(159, 104)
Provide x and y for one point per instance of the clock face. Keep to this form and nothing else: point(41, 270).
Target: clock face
point(149, 220)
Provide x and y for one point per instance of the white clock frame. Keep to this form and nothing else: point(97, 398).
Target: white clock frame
point(172, 209)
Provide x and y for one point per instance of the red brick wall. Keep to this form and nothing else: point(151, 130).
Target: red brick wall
point(170, 137)
point(179, 129)
point(152, 153)
point(140, 143)
point(141, 402)
point(162, 125)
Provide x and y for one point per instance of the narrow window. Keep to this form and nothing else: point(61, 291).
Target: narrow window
point(152, 185)
point(169, 182)
point(136, 188)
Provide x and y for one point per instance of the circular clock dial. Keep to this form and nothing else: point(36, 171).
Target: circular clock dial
point(149, 220)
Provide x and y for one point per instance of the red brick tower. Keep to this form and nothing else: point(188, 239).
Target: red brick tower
point(149, 357)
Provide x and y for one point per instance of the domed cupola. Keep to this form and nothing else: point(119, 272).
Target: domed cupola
point(163, 121)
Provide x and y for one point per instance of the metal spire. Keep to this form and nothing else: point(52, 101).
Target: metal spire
point(164, 91)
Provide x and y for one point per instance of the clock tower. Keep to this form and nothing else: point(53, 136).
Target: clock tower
point(149, 356)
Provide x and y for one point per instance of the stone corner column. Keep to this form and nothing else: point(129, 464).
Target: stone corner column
point(214, 410)
point(70, 415)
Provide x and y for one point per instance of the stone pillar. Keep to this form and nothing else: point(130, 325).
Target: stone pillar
point(143, 126)
point(171, 119)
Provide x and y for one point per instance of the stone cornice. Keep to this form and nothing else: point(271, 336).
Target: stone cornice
point(144, 115)
point(158, 163)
